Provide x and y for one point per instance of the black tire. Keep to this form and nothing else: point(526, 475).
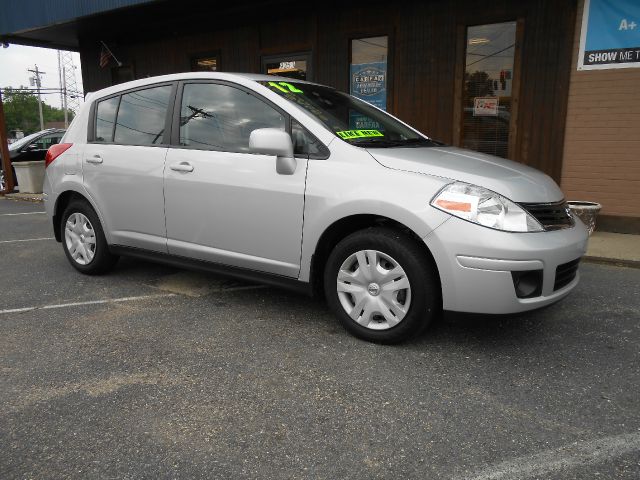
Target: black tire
point(103, 260)
point(419, 269)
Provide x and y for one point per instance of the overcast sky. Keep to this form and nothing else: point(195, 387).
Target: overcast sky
point(15, 60)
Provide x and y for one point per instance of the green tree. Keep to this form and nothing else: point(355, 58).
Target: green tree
point(478, 84)
point(21, 111)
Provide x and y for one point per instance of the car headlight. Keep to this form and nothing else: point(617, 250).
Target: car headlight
point(484, 207)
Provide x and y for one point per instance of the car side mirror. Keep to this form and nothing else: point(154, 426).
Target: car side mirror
point(32, 147)
point(272, 141)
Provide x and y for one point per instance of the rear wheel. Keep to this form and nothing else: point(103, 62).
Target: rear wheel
point(381, 285)
point(83, 239)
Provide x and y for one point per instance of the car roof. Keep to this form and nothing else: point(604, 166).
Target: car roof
point(241, 78)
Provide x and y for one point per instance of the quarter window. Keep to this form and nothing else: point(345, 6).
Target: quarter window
point(141, 116)
point(105, 118)
point(220, 117)
point(304, 143)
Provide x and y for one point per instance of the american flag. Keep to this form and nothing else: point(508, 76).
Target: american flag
point(105, 55)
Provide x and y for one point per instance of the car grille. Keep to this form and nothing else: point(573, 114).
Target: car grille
point(552, 216)
point(565, 274)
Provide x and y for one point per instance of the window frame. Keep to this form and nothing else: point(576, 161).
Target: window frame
point(166, 137)
point(175, 130)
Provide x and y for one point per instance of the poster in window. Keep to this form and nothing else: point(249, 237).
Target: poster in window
point(610, 35)
point(369, 83)
point(485, 106)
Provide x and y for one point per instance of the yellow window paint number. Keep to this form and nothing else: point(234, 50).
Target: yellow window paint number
point(350, 134)
point(289, 88)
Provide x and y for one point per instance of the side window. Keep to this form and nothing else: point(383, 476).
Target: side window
point(43, 143)
point(220, 117)
point(141, 116)
point(304, 143)
point(105, 118)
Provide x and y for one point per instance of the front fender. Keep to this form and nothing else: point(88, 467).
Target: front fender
point(340, 189)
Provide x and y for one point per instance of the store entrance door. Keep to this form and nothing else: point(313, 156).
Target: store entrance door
point(490, 90)
point(296, 66)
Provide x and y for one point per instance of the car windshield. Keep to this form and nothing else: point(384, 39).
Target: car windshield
point(17, 145)
point(349, 118)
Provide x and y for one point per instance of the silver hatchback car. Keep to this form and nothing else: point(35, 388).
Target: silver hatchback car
point(299, 185)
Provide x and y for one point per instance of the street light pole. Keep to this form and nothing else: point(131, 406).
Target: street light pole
point(38, 85)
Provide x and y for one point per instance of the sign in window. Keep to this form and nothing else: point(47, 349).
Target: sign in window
point(207, 63)
point(291, 68)
point(369, 77)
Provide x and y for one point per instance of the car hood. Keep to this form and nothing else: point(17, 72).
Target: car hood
point(513, 180)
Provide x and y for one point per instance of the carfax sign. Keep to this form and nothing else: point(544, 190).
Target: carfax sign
point(610, 35)
point(369, 83)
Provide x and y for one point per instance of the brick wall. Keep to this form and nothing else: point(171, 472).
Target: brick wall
point(601, 159)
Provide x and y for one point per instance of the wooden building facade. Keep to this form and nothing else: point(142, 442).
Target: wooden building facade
point(427, 44)
point(495, 76)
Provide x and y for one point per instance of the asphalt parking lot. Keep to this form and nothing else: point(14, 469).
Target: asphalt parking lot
point(154, 372)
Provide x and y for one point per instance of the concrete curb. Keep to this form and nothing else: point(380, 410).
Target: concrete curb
point(617, 262)
point(25, 197)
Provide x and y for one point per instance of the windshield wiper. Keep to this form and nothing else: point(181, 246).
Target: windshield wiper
point(385, 143)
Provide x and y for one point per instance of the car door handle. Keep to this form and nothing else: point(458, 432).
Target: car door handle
point(182, 167)
point(95, 159)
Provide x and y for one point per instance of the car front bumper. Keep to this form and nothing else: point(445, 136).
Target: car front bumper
point(477, 265)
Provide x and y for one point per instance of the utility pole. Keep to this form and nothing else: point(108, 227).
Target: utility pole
point(36, 80)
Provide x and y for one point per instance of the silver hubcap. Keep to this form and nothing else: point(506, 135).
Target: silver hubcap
point(80, 238)
point(374, 289)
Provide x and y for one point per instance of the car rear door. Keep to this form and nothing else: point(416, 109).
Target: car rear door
point(123, 164)
point(224, 204)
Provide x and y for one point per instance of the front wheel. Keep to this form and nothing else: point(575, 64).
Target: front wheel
point(83, 240)
point(381, 285)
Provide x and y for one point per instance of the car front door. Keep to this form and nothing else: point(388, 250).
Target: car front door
point(123, 165)
point(222, 203)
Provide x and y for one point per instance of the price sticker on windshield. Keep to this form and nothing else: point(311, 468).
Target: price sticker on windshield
point(351, 134)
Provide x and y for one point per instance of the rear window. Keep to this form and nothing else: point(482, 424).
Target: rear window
point(141, 116)
point(135, 118)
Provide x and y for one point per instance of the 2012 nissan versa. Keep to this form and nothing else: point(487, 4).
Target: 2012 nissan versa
point(300, 185)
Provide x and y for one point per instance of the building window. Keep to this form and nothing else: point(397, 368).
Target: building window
point(205, 63)
point(487, 96)
point(297, 66)
point(369, 76)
